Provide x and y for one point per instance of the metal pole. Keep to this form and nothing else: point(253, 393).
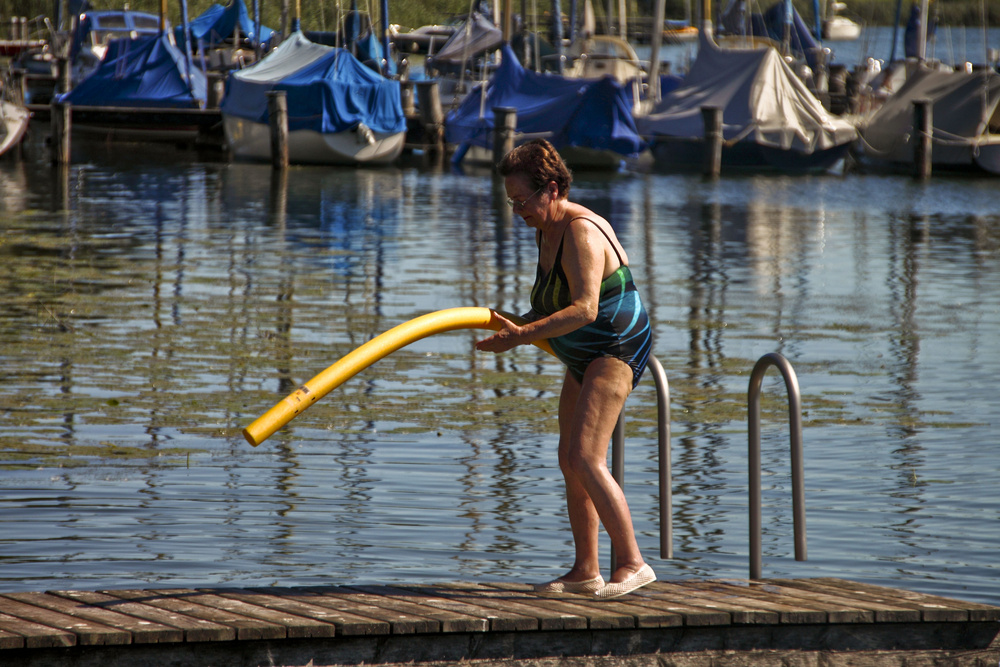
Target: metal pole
point(753, 457)
point(618, 466)
point(664, 455)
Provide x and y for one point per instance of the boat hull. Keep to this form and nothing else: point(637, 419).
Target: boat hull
point(15, 124)
point(576, 157)
point(251, 140)
point(681, 154)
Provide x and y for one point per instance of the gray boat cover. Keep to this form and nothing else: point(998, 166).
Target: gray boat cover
point(964, 110)
point(474, 36)
point(761, 98)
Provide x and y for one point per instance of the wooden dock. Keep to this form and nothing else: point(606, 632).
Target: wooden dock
point(685, 623)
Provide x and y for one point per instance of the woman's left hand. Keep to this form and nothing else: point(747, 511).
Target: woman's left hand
point(507, 337)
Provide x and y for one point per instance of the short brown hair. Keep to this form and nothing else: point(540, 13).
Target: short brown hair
point(540, 162)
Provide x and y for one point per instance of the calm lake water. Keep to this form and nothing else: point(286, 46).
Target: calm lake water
point(155, 303)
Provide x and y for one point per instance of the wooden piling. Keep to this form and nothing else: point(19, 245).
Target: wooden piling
point(431, 114)
point(504, 129)
point(712, 118)
point(406, 98)
point(216, 89)
point(923, 135)
point(61, 129)
point(65, 76)
point(277, 113)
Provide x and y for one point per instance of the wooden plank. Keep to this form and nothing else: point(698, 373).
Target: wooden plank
point(88, 633)
point(671, 612)
point(141, 631)
point(767, 591)
point(790, 612)
point(180, 601)
point(193, 629)
point(838, 608)
point(932, 605)
point(886, 611)
point(739, 612)
point(358, 614)
point(10, 639)
point(500, 619)
point(393, 598)
point(797, 587)
point(296, 626)
point(604, 615)
point(546, 619)
point(35, 635)
point(287, 600)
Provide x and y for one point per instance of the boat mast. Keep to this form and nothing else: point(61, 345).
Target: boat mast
point(922, 32)
point(655, 41)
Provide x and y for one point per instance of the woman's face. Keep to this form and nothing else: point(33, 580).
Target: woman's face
point(526, 200)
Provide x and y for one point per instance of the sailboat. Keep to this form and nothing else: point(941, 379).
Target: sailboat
point(965, 107)
point(339, 110)
point(770, 118)
point(589, 121)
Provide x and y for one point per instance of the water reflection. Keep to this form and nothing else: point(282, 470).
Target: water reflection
point(151, 310)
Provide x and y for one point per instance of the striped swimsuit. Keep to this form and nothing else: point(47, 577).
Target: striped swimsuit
point(621, 329)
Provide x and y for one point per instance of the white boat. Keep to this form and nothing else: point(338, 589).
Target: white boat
point(339, 111)
point(838, 28)
point(965, 110)
point(13, 124)
point(359, 145)
point(770, 119)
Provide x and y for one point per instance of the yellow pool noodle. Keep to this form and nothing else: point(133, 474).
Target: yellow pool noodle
point(361, 358)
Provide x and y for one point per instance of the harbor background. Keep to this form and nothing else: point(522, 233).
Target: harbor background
point(157, 301)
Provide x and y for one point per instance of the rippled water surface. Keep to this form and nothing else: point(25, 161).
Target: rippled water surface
point(156, 303)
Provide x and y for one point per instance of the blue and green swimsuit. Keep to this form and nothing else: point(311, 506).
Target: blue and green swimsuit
point(621, 329)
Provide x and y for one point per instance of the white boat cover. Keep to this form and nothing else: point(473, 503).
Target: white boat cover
point(761, 98)
point(964, 110)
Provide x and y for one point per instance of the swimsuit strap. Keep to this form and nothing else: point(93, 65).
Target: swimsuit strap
point(538, 240)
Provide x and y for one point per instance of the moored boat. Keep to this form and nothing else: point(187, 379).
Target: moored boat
point(965, 109)
point(770, 119)
point(339, 111)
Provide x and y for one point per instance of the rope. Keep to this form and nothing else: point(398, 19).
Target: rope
point(744, 133)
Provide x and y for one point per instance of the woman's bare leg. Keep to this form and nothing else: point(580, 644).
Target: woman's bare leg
point(587, 417)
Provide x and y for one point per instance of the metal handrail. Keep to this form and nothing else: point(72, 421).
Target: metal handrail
point(663, 449)
point(798, 487)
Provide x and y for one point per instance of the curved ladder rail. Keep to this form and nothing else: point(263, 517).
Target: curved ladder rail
point(798, 487)
point(663, 456)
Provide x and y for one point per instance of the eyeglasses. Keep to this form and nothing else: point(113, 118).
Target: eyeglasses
point(513, 203)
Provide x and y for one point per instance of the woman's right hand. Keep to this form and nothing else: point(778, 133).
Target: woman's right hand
point(508, 336)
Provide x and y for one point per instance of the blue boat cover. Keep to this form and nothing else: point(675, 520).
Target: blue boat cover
point(143, 72)
point(328, 90)
point(217, 24)
point(588, 113)
point(771, 24)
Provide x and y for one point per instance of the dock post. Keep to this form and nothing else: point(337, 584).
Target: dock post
point(406, 98)
point(64, 74)
point(61, 128)
point(923, 130)
point(712, 118)
point(431, 115)
point(216, 90)
point(277, 114)
point(504, 129)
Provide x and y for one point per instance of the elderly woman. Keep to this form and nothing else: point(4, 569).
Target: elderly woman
point(585, 303)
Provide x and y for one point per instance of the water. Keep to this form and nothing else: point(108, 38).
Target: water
point(155, 303)
point(952, 45)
